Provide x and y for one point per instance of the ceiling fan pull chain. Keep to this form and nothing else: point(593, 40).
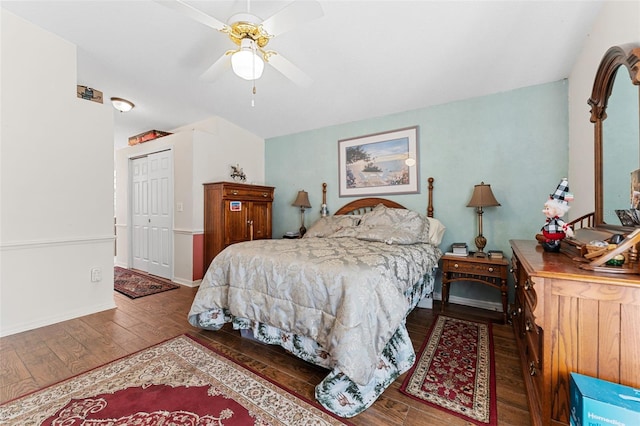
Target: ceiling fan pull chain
point(253, 96)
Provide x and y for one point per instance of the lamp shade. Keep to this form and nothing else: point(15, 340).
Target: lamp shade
point(302, 200)
point(245, 63)
point(483, 196)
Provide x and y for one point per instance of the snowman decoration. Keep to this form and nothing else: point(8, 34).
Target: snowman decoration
point(555, 229)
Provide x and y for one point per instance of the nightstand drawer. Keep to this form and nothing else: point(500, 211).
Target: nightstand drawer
point(463, 266)
point(476, 270)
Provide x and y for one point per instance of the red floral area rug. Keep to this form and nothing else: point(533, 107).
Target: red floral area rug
point(455, 370)
point(178, 382)
point(135, 284)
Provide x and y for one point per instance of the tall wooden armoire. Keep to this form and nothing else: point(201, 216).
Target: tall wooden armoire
point(234, 212)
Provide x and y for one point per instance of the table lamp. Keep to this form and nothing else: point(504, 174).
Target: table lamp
point(482, 197)
point(302, 201)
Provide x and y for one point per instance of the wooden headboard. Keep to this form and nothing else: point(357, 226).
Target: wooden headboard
point(364, 205)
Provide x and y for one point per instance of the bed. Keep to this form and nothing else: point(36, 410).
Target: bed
point(338, 297)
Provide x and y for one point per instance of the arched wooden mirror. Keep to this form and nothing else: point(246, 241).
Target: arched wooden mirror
point(615, 111)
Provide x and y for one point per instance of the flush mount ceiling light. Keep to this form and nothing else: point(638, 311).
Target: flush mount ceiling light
point(122, 105)
point(245, 62)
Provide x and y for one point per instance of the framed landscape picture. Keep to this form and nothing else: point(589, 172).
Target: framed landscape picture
point(635, 189)
point(379, 164)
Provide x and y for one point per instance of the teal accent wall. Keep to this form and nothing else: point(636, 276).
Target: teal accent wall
point(516, 141)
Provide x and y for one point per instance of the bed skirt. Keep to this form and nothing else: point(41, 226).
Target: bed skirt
point(336, 392)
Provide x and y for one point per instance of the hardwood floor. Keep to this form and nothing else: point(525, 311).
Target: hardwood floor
point(35, 359)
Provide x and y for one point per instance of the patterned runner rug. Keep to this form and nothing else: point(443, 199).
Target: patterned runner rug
point(455, 370)
point(178, 382)
point(135, 284)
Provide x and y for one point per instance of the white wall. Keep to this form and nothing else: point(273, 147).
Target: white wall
point(202, 152)
point(213, 158)
point(618, 23)
point(56, 177)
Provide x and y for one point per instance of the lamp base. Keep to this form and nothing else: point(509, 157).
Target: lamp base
point(479, 254)
point(303, 230)
point(481, 243)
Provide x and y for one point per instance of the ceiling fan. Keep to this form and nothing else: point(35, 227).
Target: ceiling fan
point(251, 35)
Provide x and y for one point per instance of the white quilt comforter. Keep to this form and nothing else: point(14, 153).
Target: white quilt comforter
point(345, 293)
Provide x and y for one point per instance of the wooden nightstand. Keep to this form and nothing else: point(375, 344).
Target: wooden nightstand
point(483, 270)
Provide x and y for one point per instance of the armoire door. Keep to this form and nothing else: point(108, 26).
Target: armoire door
point(236, 222)
point(151, 213)
point(261, 217)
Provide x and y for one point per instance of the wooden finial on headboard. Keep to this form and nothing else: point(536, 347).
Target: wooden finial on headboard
point(430, 205)
point(324, 193)
point(324, 211)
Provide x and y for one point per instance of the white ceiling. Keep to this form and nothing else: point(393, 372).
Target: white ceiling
point(366, 58)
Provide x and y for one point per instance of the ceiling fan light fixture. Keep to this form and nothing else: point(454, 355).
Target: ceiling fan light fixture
point(246, 63)
point(122, 105)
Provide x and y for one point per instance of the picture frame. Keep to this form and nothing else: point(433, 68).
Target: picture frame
point(635, 189)
point(379, 164)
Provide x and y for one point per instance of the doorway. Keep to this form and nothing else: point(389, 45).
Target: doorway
point(151, 213)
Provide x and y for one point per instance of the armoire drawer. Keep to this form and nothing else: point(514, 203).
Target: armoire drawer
point(247, 193)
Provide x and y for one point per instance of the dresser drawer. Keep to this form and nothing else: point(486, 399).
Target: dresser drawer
point(247, 193)
point(527, 286)
point(518, 306)
point(463, 266)
point(533, 338)
point(533, 353)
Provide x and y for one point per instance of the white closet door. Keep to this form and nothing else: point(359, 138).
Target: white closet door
point(139, 173)
point(161, 221)
point(151, 213)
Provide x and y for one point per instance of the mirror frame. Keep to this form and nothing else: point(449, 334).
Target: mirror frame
point(629, 56)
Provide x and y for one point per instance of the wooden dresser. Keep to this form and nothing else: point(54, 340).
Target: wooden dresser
point(570, 320)
point(234, 212)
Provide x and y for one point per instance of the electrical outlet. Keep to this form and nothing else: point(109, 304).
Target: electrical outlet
point(96, 275)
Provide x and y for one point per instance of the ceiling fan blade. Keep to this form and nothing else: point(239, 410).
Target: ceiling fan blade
point(289, 70)
point(219, 67)
point(294, 14)
point(193, 13)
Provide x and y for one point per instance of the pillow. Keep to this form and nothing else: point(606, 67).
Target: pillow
point(387, 216)
point(379, 215)
point(326, 226)
point(433, 231)
point(391, 225)
point(347, 231)
point(387, 234)
point(436, 231)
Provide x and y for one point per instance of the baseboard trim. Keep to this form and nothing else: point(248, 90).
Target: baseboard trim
point(181, 281)
point(474, 303)
point(187, 283)
point(26, 326)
